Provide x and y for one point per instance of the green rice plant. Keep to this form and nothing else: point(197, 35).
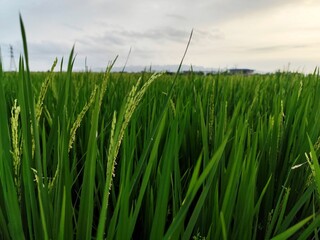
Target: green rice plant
point(158, 156)
point(117, 133)
point(10, 218)
point(86, 198)
point(31, 149)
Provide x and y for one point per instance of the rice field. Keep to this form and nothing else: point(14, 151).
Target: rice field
point(157, 156)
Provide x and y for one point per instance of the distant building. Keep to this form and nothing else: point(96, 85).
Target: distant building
point(244, 71)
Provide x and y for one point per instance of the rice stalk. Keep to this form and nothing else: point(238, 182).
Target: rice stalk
point(300, 88)
point(211, 116)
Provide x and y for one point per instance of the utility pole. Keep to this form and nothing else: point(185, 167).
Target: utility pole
point(13, 67)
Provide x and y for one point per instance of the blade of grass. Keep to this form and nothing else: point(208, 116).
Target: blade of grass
point(292, 230)
point(161, 211)
point(146, 175)
point(314, 164)
point(211, 166)
point(87, 193)
point(62, 216)
point(196, 212)
point(223, 226)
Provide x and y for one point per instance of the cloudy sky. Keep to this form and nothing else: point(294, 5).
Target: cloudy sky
point(265, 35)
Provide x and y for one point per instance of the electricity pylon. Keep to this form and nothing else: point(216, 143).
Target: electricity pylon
point(13, 67)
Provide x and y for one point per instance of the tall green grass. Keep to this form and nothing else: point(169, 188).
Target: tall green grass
point(151, 156)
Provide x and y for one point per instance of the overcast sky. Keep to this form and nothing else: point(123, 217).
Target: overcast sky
point(265, 35)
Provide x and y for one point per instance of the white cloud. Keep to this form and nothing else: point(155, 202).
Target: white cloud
point(259, 33)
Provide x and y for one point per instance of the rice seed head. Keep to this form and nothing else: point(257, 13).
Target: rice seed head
point(313, 175)
point(16, 147)
point(111, 151)
point(271, 121)
point(282, 110)
point(43, 91)
point(105, 81)
point(78, 121)
point(52, 182)
point(36, 177)
point(317, 144)
point(173, 107)
point(298, 165)
point(32, 139)
point(132, 102)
